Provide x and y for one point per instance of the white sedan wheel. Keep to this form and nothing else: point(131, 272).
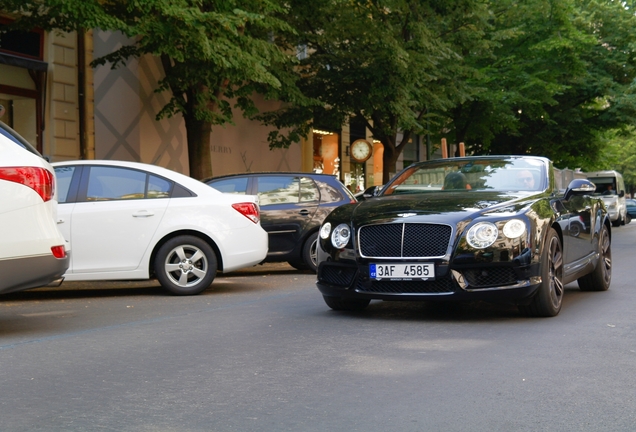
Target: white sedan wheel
point(185, 265)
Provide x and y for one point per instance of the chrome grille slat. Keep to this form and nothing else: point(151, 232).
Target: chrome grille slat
point(404, 240)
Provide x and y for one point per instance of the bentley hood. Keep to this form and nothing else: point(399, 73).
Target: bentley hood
point(440, 206)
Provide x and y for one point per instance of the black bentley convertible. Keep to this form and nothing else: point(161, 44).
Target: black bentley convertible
point(492, 228)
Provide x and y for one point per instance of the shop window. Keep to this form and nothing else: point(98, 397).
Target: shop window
point(21, 43)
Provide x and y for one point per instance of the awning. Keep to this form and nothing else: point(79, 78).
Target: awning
point(26, 63)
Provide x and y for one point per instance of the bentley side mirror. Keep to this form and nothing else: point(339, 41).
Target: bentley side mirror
point(579, 187)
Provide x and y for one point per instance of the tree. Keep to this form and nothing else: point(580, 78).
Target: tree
point(562, 75)
point(214, 53)
point(390, 62)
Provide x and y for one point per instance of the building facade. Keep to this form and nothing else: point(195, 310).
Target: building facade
point(69, 110)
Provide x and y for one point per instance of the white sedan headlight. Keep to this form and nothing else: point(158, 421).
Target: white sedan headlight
point(514, 228)
point(325, 231)
point(482, 234)
point(340, 236)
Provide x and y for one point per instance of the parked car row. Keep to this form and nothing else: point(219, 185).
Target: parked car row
point(490, 228)
point(130, 221)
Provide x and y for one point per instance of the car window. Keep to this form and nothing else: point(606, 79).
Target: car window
point(114, 183)
point(64, 176)
point(111, 183)
point(235, 185)
point(329, 193)
point(278, 189)
point(158, 187)
point(505, 174)
point(308, 190)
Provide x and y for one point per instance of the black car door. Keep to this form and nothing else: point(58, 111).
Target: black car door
point(288, 204)
point(580, 216)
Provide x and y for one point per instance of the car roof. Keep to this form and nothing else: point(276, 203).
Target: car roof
point(484, 157)
point(252, 173)
point(165, 172)
point(605, 173)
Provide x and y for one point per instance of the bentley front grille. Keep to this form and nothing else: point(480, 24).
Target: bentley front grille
point(404, 240)
point(438, 286)
point(489, 277)
point(336, 275)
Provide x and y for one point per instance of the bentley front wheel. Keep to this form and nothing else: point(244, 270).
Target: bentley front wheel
point(549, 297)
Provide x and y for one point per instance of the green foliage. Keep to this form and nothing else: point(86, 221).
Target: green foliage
point(212, 51)
point(561, 75)
point(390, 62)
point(547, 77)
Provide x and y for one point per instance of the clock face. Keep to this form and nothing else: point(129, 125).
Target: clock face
point(360, 150)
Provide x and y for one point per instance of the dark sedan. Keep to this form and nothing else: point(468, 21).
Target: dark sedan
point(293, 205)
point(493, 228)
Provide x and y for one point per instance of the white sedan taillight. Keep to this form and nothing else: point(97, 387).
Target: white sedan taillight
point(249, 210)
point(39, 179)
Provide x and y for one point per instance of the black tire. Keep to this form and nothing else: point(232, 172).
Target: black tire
point(628, 219)
point(309, 252)
point(549, 297)
point(344, 304)
point(618, 222)
point(601, 277)
point(178, 272)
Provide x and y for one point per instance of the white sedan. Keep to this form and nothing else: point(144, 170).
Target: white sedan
point(128, 220)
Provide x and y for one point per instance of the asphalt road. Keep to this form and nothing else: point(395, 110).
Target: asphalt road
point(260, 351)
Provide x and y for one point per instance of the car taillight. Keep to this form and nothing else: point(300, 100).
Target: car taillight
point(39, 179)
point(58, 251)
point(249, 210)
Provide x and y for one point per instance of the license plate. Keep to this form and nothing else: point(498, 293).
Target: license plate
point(419, 271)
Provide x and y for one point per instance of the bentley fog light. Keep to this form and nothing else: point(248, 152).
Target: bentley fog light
point(514, 228)
point(325, 231)
point(482, 234)
point(340, 236)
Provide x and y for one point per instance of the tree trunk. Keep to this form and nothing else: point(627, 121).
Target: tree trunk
point(389, 158)
point(199, 155)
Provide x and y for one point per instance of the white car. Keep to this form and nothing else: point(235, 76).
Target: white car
point(33, 252)
point(128, 220)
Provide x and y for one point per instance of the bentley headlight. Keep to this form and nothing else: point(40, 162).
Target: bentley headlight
point(340, 236)
point(514, 228)
point(482, 234)
point(325, 231)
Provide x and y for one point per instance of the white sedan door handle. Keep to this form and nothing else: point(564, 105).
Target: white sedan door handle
point(143, 213)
